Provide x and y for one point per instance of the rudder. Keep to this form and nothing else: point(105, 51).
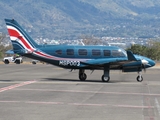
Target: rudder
point(21, 41)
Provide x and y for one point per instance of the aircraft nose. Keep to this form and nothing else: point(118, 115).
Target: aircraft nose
point(152, 63)
point(148, 62)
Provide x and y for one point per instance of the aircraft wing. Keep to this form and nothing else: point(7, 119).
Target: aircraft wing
point(102, 62)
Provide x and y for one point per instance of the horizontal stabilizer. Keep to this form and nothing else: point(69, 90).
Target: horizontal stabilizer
point(130, 56)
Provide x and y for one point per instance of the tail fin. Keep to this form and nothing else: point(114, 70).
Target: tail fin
point(21, 41)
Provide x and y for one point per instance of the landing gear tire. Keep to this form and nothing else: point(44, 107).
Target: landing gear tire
point(6, 61)
point(139, 78)
point(82, 77)
point(17, 62)
point(105, 79)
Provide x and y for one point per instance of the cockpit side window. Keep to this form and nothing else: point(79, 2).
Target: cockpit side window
point(70, 52)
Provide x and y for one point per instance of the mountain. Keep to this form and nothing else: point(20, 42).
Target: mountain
point(127, 7)
point(71, 19)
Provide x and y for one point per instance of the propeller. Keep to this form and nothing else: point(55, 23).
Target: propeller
point(144, 62)
point(143, 67)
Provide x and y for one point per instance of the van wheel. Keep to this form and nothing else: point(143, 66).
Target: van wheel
point(33, 62)
point(17, 62)
point(6, 61)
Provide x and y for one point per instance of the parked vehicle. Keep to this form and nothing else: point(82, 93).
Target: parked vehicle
point(12, 59)
point(34, 61)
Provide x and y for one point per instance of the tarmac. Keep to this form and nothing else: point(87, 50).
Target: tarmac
point(43, 91)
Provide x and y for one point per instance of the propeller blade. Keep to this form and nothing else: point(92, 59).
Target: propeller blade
point(143, 67)
point(144, 62)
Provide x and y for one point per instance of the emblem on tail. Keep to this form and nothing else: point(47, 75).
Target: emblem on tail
point(20, 39)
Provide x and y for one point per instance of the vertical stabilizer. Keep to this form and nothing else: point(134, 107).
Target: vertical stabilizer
point(21, 41)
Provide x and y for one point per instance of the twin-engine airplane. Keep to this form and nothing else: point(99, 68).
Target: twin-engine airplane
point(104, 58)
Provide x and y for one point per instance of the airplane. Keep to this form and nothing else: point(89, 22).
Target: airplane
point(83, 58)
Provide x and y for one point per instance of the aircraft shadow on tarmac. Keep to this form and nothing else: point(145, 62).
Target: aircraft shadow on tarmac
point(6, 80)
point(75, 80)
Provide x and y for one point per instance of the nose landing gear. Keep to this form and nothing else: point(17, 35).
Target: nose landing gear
point(139, 77)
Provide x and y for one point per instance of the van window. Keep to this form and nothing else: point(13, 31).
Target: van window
point(96, 52)
point(107, 52)
point(70, 52)
point(82, 52)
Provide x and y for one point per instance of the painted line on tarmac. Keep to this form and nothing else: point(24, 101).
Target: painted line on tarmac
point(43, 102)
point(76, 91)
point(109, 105)
point(17, 85)
point(157, 105)
point(80, 104)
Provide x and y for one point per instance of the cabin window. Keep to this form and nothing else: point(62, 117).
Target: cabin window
point(59, 52)
point(82, 52)
point(117, 53)
point(96, 52)
point(107, 52)
point(70, 52)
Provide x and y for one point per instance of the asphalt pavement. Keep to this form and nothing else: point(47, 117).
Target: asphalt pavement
point(46, 92)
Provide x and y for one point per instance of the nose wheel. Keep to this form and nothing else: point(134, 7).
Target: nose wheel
point(139, 77)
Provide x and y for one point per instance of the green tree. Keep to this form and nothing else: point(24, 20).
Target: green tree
point(152, 51)
point(138, 49)
point(3, 48)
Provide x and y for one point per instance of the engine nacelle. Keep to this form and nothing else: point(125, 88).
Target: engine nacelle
point(132, 66)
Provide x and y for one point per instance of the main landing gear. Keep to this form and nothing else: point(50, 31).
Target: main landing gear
point(105, 77)
point(82, 75)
